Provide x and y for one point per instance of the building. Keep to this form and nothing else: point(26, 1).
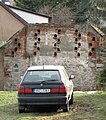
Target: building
point(10, 23)
point(19, 18)
point(51, 44)
point(30, 16)
point(47, 44)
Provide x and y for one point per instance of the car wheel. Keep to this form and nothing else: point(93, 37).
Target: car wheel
point(71, 100)
point(66, 107)
point(21, 109)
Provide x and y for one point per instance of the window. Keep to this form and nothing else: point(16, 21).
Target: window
point(41, 75)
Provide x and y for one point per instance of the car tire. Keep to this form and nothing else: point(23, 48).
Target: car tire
point(71, 100)
point(21, 109)
point(66, 107)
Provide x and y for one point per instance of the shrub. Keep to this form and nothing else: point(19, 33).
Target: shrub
point(101, 78)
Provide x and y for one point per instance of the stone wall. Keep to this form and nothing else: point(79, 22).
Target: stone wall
point(66, 56)
point(17, 45)
point(15, 61)
point(97, 46)
point(14, 68)
point(1, 69)
point(50, 44)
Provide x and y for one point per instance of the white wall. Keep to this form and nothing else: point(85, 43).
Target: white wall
point(30, 18)
point(9, 25)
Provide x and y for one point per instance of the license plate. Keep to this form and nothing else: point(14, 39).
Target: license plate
point(41, 90)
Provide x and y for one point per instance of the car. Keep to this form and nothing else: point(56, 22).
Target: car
point(44, 86)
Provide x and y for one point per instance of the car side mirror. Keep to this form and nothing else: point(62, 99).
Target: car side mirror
point(71, 77)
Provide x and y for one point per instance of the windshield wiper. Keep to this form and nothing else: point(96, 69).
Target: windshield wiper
point(49, 80)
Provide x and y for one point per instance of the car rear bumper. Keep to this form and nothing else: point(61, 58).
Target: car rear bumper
point(42, 100)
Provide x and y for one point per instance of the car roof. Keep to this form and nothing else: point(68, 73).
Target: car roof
point(46, 67)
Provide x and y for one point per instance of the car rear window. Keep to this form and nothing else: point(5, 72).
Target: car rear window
point(41, 75)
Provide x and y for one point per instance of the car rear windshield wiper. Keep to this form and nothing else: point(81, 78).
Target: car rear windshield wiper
point(49, 80)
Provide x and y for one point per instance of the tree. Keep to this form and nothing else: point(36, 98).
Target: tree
point(101, 78)
point(29, 4)
point(81, 11)
point(98, 13)
point(56, 8)
point(62, 15)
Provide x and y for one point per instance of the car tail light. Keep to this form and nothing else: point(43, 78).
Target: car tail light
point(28, 90)
point(55, 90)
point(61, 89)
point(23, 90)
